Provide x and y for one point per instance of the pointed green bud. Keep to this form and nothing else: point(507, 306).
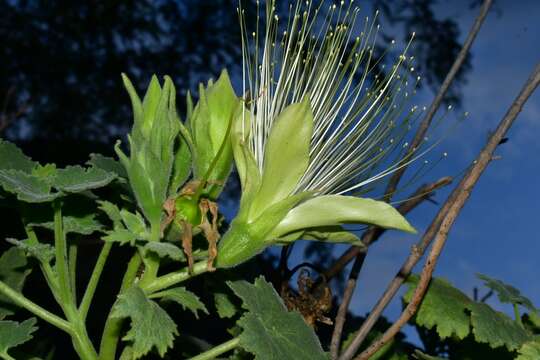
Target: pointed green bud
point(210, 125)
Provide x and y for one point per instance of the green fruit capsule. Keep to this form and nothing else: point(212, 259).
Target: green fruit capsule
point(187, 208)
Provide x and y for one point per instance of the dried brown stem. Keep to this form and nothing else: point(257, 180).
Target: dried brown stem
point(445, 219)
point(421, 194)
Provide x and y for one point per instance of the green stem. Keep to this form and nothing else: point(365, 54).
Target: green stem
point(94, 280)
point(517, 315)
point(79, 335)
point(35, 309)
point(218, 350)
point(72, 267)
point(168, 280)
point(113, 326)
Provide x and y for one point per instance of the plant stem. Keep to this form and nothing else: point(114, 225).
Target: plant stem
point(94, 280)
point(35, 309)
point(165, 281)
point(113, 326)
point(79, 335)
point(72, 262)
point(517, 315)
point(218, 350)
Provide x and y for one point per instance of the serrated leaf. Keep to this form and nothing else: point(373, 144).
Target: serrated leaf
point(12, 158)
point(13, 272)
point(530, 350)
point(286, 155)
point(13, 334)
point(163, 249)
point(185, 298)
point(112, 211)
point(134, 223)
point(42, 252)
point(27, 187)
point(107, 164)
point(84, 224)
point(495, 328)
point(331, 210)
point(121, 236)
point(224, 305)
point(507, 293)
point(443, 307)
point(77, 179)
point(270, 331)
point(151, 326)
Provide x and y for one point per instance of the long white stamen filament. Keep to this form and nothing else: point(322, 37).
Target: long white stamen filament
point(355, 128)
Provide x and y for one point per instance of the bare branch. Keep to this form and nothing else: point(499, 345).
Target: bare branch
point(424, 192)
point(449, 212)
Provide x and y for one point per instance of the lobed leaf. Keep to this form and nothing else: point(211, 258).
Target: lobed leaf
point(13, 272)
point(43, 252)
point(164, 249)
point(271, 332)
point(530, 350)
point(185, 298)
point(507, 293)
point(13, 334)
point(12, 158)
point(77, 179)
point(28, 188)
point(444, 308)
point(151, 326)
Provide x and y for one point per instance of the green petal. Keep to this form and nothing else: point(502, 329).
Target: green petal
point(328, 210)
point(286, 155)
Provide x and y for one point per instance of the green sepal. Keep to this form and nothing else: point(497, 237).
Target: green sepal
point(244, 240)
point(209, 124)
point(330, 234)
point(329, 210)
point(286, 156)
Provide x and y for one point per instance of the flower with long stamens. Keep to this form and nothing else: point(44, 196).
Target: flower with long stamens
point(313, 130)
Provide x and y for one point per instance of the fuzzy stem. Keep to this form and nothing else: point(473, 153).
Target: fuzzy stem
point(218, 350)
point(113, 326)
point(94, 280)
point(35, 309)
point(168, 280)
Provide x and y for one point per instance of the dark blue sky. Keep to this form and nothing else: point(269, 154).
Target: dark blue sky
point(497, 232)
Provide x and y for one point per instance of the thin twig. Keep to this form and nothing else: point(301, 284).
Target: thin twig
point(451, 210)
point(421, 194)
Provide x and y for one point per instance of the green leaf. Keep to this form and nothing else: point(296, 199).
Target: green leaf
point(76, 178)
point(112, 211)
point(495, 328)
point(286, 155)
point(42, 252)
point(507, 293)
point(27, 187)
point(530, 350)
point(151, 326)
point(330, 210)
point(224, 305)
point(12, 158)
point(13, 272)
point(134, 223)
point(121, 236)
point(163, 249)
point(84, 224)
point(443, 308)
point(107, 164)
point(13, 334)
point(185, 298)
point(270, 331)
